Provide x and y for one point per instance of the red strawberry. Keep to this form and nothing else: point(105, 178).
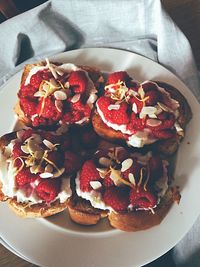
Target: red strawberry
point(36, 80)
point(119, 116)
point(17, 152)
point(118, 76)
point(72, 162)
point(25, 177)
point(48, 189)
point(88, 173)
point(140, 198)
point(78, 81)
point(27, 91)
point(107, 181)
point(28, 106)
point(117, 198)
point(48, 109)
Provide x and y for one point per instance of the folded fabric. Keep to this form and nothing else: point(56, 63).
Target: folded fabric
point(138, 26)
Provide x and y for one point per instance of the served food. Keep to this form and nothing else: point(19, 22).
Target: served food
point(141, 113)
point(35, 171)
point(132, 189)
point(62, 160)
point(53, 94)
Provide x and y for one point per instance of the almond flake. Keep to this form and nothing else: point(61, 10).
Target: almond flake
point(75, 98)
point(39, 94)
point(126, 164)
point(25, 149)
point(59, 105)
point(60, 95)
point(45, 175)
point(105, 161)
point(147, 111)
point(131, 178)
point(114, 176)
point(48, 144)
point(115, 107)
point(95, 184)
point(134, 108)
point(48, 168)
point(153, 122)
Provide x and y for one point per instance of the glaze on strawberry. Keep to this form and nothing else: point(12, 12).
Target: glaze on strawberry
point(143, 112)
point(55, 94)
point(120, 181)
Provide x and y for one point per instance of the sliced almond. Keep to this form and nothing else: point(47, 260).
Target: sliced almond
point(126, 164)
point(134, 108)
point(66, 85)
point(48, 144)
point(45, 175)
point(60, 95)
point(131, 178)
point(75, 98)
point(95, 184)
point(115, 107)
point(153, 122)
point(34, 169)
point(147, 111)
point(114, 176)
point(48, 168)
point(25, 149)
point(59, 105)
point(39, 94)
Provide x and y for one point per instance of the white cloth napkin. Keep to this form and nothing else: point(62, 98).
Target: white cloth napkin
point(140, 26)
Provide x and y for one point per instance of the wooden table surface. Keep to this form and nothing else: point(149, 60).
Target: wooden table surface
point(186, 13)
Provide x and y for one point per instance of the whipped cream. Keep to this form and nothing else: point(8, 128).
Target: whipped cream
point(93, 196)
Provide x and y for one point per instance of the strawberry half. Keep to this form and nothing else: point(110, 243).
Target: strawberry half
point(48, 189)
point(88, 173)
point(118, 76)
point(78, 81)
point(139, 198)
point(117, 198)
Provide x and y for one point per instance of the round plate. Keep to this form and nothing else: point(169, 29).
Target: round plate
point(57, 241)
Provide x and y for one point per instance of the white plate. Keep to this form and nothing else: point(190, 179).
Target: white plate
point(57, 241)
